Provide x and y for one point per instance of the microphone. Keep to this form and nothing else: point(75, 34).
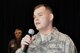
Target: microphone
point(30, 32)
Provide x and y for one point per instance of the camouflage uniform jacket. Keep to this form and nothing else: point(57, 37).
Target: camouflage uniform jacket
point(55, 42)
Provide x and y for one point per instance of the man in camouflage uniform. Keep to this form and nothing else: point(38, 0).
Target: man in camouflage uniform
point(48, 39)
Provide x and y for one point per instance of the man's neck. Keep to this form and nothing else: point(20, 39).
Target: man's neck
point(46, 30)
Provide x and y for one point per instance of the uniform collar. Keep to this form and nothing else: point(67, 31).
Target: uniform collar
point(49, 36)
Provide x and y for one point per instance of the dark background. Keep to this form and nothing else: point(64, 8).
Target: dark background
point(19, 13)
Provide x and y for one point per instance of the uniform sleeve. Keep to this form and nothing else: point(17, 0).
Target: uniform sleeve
point(70, 47)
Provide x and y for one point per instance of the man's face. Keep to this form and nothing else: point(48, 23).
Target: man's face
point(18, 33)
point(41, 18)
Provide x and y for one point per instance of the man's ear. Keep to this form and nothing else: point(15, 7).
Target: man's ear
point(51, 16)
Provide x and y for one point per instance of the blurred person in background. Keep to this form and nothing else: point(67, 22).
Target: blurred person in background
point(14, 44)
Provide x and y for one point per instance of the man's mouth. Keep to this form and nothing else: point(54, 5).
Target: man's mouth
point(37, 23)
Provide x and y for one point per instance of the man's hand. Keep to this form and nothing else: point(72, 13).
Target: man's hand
point(26, 41)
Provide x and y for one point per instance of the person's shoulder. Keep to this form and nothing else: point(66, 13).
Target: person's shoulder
point(12, 41)
point(63, 36)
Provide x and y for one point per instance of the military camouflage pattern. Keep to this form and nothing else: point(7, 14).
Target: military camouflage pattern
point(56, 42)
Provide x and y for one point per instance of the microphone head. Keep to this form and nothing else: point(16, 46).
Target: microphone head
point(31, 31)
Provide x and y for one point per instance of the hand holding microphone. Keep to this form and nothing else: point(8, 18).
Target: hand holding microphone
point(27, 40)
